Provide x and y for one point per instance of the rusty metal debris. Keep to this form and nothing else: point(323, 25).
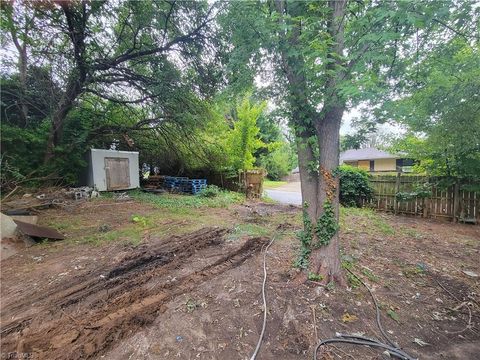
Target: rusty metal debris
point(38, 231)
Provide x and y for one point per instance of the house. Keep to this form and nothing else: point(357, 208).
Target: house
point(375, 160)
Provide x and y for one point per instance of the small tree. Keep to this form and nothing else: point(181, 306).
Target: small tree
point(244, 136)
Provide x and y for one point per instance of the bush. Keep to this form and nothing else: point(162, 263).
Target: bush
point(210, 191)
point(354, 186)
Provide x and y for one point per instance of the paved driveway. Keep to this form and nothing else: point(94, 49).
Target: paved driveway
point(286, 194)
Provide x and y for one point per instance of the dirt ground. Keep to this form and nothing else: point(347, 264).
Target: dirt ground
point(186, 284)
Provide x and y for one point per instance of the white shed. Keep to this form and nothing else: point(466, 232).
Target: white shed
point(113, 170)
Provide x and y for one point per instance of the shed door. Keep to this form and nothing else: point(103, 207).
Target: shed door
point(117, 172)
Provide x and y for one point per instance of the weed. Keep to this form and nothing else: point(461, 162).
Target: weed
point(369, 274)
point(130, 235)
point(268, 200)
point(330, 286)
point(141, 220)
point(250, 230)
point(210, 191)
point(191, 305)
point(371, 221)
point(412, 233)
point(393, 315)
point(347, 263)
point(314, 277)
point(413, 271)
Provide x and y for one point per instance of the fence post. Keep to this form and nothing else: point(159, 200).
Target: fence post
point(397, 189)
point(456, 200)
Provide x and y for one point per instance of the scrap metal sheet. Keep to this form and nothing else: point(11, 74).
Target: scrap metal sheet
point(38, 231)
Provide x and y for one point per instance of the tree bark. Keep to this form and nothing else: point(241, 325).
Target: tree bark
point(74, 89)
point(22, 62)
point(76, 22)
point(308, 178)
point(326, 259)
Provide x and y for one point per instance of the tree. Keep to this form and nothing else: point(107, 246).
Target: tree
point(115, 50)
point(331, 56)
point(244, 140)
point(19, 26)
point(441, 111)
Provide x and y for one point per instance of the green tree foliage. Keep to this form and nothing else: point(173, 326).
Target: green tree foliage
point(278, 162)
point(441, 111)
point(278, 156)
point(352, 141)
point(244, 138)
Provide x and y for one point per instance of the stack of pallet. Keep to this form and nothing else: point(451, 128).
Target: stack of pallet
point(173, 183)
point(193, 186)
point(176, 184)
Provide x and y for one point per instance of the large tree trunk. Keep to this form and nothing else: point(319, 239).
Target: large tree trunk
point(22, 67)
point(326, 259)
point(74, 89)
point(308, 178)
point(319, 186)
point(76, 17)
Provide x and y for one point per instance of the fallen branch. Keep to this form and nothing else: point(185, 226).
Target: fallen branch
point(10, 193)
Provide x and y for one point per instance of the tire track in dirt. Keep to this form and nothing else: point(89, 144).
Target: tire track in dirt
point(86, 316)
point(144, 258)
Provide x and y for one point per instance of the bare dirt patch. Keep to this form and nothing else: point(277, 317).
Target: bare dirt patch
point(81, 318)
point(197, 295)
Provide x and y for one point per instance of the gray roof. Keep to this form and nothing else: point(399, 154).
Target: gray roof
point(365, 154)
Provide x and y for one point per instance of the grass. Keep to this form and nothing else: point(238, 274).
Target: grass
point(252, 230)
point(271, 184)
point(372, 222)
point(177, 201)
point(268, 200)
point(179, 214)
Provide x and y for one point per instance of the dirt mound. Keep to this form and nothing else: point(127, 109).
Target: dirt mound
point(81, 318)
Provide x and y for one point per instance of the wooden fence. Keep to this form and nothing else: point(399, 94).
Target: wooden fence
point(451, 202)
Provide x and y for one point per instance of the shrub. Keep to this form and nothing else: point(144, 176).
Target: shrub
point(354, 185)
point(210, 191)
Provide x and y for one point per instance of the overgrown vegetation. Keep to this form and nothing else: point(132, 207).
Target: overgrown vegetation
point(305, 236)
point(180, 117)
point(355, 187)
point(210, 191)
point(173, 201)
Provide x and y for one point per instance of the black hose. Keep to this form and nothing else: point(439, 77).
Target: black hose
point(349, 339)
point(377, 309)
point(392, 348)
